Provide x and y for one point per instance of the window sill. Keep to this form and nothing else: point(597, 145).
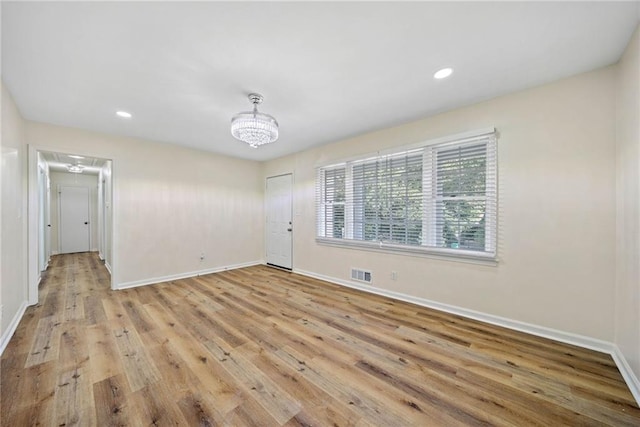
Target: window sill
point(444, 254)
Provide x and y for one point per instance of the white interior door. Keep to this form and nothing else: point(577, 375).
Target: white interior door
point(74, 219)
point(279, 221)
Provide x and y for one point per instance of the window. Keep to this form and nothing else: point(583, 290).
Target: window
point(439, 198)
point(333, 202)
point(387, 199)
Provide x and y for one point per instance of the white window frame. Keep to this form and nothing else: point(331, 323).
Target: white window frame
point(428, 248)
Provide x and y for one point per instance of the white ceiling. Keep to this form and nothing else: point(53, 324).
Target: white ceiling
point(327, 70)
point(59, 162)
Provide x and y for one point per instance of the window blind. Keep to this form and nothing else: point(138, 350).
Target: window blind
point(440, 197)
point(386, 199)
point(463, 196)
point(331, 213)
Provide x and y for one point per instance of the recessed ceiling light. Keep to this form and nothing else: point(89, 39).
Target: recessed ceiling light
point(75, 168)
point(443, 74)
point(123, 114)
point(73, 156)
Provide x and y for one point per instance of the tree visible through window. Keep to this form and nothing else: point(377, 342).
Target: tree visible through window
point(461, 174)
point(433, 198)
point(387, 199)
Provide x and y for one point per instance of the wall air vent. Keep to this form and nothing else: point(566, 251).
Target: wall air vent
point(360, 275)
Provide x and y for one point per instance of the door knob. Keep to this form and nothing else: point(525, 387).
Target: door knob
point(289, 229)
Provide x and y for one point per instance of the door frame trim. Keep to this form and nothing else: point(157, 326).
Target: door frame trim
point(266, 232)
point(31, 272)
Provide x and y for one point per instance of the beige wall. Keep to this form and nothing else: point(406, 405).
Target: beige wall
point(627, 305)
point(13, 237)
point(170, 204)
point(557, 209)
point(68, 179)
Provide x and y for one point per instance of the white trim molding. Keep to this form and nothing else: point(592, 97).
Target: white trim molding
point(541, 331)
point(627, 373)
point(154, 280)
point(6, 337)
point(442, 254)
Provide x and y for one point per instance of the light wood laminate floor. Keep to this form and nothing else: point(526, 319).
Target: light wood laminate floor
point(259, 346)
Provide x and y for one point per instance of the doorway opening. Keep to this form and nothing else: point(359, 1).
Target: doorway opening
point(72, 199)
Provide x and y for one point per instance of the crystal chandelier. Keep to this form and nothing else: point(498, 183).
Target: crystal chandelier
point(253, 127)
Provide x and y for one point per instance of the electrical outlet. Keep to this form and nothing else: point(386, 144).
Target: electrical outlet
point(394, 275)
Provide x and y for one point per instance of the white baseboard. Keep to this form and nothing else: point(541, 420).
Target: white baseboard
point(108, 267)
point(54, 253)
point(541, 331)
point(627, 373)
point(144, 282)
point(6, 336)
